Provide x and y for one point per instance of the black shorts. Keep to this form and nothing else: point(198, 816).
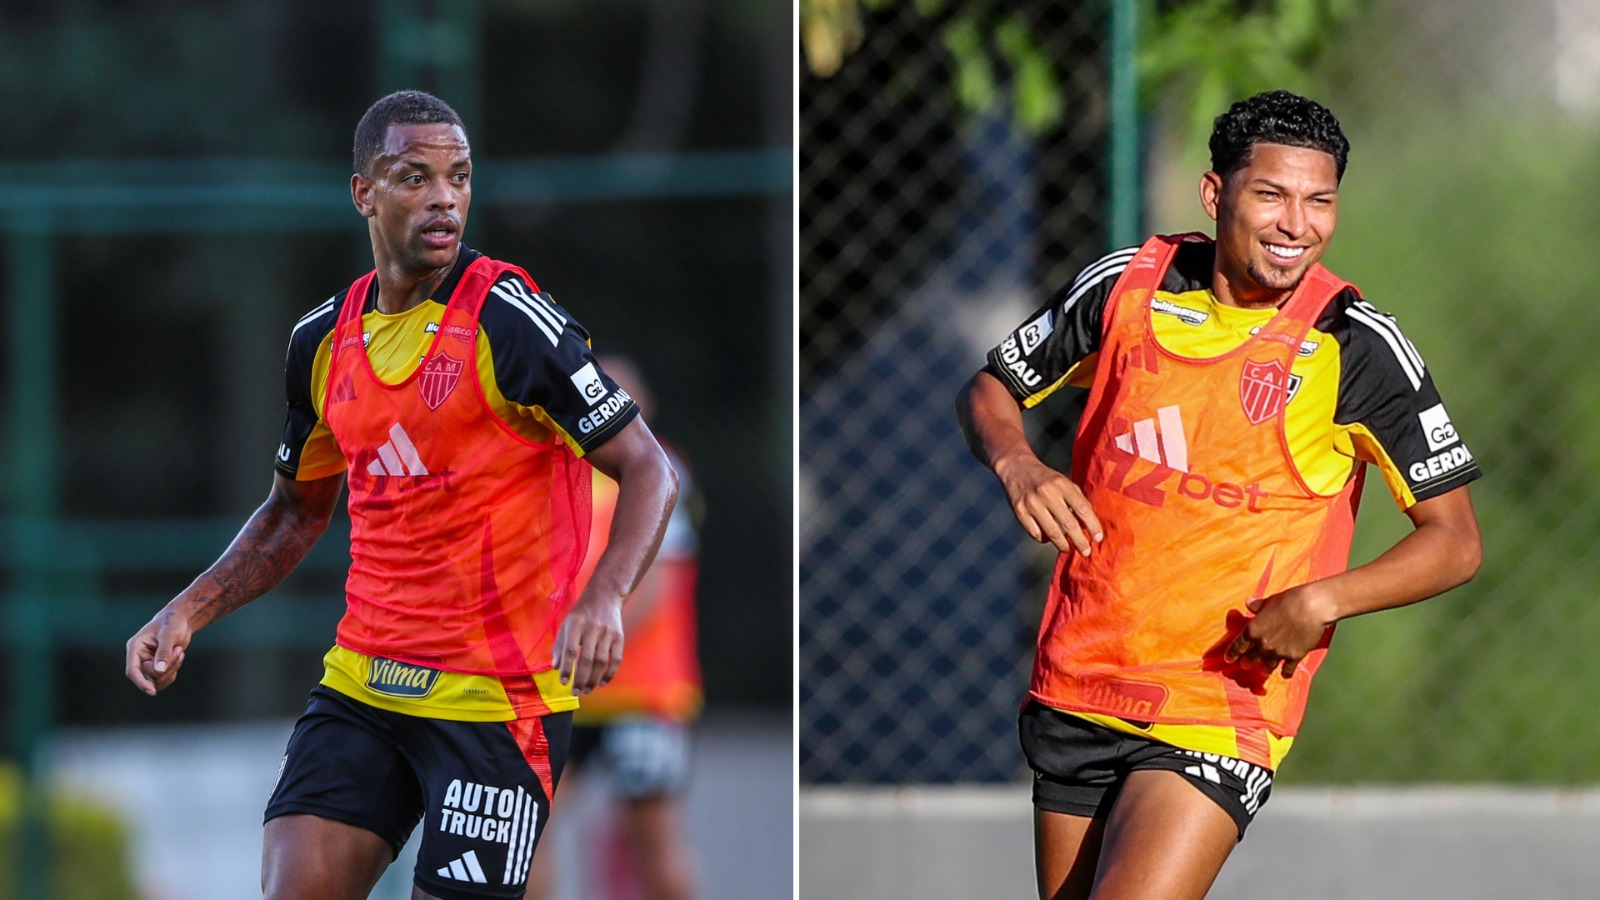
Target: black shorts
point(1078, 767)
point(480, 788)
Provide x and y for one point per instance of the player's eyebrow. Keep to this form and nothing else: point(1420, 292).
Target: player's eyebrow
point(418, 164)
point(1284, 189)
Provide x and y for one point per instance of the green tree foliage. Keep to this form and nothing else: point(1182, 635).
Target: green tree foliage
point(1199, 54)
point(1446, 221)
point(1202, 55)
point(997, 63)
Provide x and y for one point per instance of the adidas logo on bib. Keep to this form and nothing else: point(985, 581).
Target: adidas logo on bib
point(398, 456)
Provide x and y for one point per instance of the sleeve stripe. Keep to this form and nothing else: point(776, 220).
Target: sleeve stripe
point(320, 310)
point(1405, 342)
point(540, 303)
point(1391, 335)
point(551, 329)
point(1105, 267)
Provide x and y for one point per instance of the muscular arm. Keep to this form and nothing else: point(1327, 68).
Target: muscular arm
point(1442, 552)
point(267, 549)
point(1048, 505)
point(589, 645)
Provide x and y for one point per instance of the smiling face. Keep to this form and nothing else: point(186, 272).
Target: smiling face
point(1275, 217)
point(416, 197)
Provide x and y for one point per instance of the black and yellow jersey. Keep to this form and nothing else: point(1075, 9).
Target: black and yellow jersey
point(1359, 390)
point(530, 353)
point(538, 375)
point(1359, 393)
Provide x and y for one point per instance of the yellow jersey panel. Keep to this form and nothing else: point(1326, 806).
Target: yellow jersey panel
point(435, 694)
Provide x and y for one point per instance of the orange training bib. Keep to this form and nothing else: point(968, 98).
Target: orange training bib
point(1184, 461)
point(465, 537)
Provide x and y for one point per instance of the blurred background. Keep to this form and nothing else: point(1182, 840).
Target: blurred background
point(960, 161)
point(176, 195)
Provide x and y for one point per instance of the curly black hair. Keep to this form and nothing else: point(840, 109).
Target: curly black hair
point(399, 108)
point(1275, 117)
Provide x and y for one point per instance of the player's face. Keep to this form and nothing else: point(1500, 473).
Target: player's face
point(418, 195)
point(1275, 218)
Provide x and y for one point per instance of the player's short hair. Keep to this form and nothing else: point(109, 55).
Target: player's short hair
point(1275, 117)
point(399, 108)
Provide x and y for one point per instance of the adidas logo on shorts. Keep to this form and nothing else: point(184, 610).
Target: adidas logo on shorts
point(464, 869)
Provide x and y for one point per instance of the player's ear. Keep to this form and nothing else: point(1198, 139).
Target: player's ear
point(1211, 185)
point(361, 195)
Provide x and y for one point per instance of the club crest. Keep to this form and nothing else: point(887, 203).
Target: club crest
point(1263, 389)
point(438, 378)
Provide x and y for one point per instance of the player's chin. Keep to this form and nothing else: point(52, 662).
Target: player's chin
point(431, 254)
point(1278, 278)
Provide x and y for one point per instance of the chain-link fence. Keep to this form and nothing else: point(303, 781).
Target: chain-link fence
point(1466, 211)
point(924, 227)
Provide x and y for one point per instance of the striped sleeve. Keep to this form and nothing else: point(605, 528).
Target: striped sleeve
point(1387, 398)
point(1040, 355)
point(544, 366)
point(308, 450)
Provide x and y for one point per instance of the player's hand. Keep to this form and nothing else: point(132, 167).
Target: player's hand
point(588, 647)
point(1286, 627)
point(156, 652)
point(1050, 507)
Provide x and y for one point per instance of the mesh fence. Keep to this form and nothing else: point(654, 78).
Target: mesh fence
point(927, 233)
point(922, 224)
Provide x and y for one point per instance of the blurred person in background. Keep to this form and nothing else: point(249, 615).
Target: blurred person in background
point(1237, 390)
point(460, 404)
point(637, 727)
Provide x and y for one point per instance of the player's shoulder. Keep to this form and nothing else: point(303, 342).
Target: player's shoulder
point(1094, 280)
point(516, 312)
point(1369, 338)
point(1190, 270)
point(312, 328)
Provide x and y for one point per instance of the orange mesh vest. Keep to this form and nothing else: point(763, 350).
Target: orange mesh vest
point(660, 671)
point(1186, 465)
point(465, 536)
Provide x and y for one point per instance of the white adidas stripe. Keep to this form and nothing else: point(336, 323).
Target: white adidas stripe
point(408, 452)
point(1386, 330)
point(1146, 439)
point(525, 860)
point(1160, 440)
point(465, 869)
point(1123, 256)
point(398, 456)
point(1173, 441)
point(534, 307)
point(390, 460)
point(519, 832)
point(539, 303)
point(1103, 268)
point(305, 319)
point(1383, 321)
point(510, 298)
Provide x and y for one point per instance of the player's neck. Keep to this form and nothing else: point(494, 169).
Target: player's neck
point(401, 288)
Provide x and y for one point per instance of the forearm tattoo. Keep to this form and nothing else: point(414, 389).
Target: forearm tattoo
point(266, 550)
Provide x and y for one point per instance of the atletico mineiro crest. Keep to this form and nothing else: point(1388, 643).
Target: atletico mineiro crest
point(1263, 389)
point(438, 378)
